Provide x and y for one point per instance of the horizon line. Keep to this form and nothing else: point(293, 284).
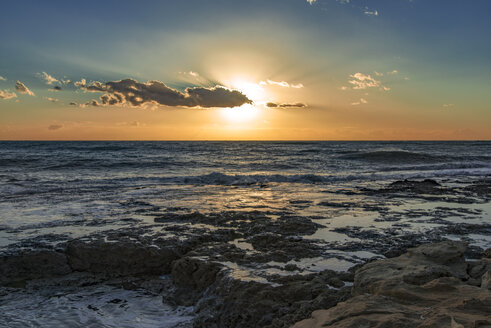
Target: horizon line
point(245, 140)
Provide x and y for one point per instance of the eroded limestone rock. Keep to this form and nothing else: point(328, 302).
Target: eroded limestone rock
point(426, 287)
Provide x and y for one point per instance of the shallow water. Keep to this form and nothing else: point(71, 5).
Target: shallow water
point(43, 182)
point(51, 192)
point(97, 306)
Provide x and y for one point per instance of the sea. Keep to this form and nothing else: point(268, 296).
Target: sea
point(76, 188)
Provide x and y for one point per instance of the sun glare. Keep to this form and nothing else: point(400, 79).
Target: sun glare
point(242, 114)
point(253, 91)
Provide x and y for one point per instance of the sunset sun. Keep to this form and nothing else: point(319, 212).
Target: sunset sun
point(253, 91)
point(242, 114)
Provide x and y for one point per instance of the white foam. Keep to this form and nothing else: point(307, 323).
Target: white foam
point(93, 306)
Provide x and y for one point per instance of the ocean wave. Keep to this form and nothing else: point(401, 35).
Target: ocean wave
point(438, 166)
point(393, 156)
point(217, 178)
point(112, 184)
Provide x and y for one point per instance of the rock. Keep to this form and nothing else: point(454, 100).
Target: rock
point(194, 273)
point(426, 186)
point(481, 188)
point(486, 280)
point(426, 287)
point(119, 258)
point(363, 311)
point(284, 248)
point(232, 302)
point(417, 267)
point(32, 265)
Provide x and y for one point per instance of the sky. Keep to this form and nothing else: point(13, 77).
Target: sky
point(245, 70)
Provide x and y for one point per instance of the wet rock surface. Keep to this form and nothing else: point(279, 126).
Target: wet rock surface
point(429, 286)
point(431, 190)
point(119, 258)
point(32, 265)
point(273, 268)
point(225, 300)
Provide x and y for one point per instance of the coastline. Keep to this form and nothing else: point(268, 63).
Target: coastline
point(241, 269)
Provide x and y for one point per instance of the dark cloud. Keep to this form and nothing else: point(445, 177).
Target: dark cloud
point(55, 127)
point(112, 99)
point(93, 103)
point(136, 94)
point(55, 88)
point(73, 104)
point(286, 105)
point(21, 88)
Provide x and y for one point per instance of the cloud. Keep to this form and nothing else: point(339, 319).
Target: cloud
point(360, 102)
point(2, 78)
point(21, 88)
point(51, 99)
point(93, 103)
point(73, 104)
point(131, 124)
point(282, 84)
point(55, 88)
point(7, 95)
point(361, 81)
point(81, 83)
point(448, 105)
point(393, 72)
point(371, 12)
point(285, 105)
point(112, 99)
point(48, 78)
point(311, 1)
point(54, 127)
point(136, 94)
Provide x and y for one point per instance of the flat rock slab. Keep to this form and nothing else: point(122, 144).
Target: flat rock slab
point(429, 286)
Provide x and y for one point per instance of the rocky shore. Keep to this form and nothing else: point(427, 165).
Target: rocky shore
point(429, 286)
point(261, 269)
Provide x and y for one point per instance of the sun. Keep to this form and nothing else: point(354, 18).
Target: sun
point(253, 91)
point(242, 114)
point(246, 112)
